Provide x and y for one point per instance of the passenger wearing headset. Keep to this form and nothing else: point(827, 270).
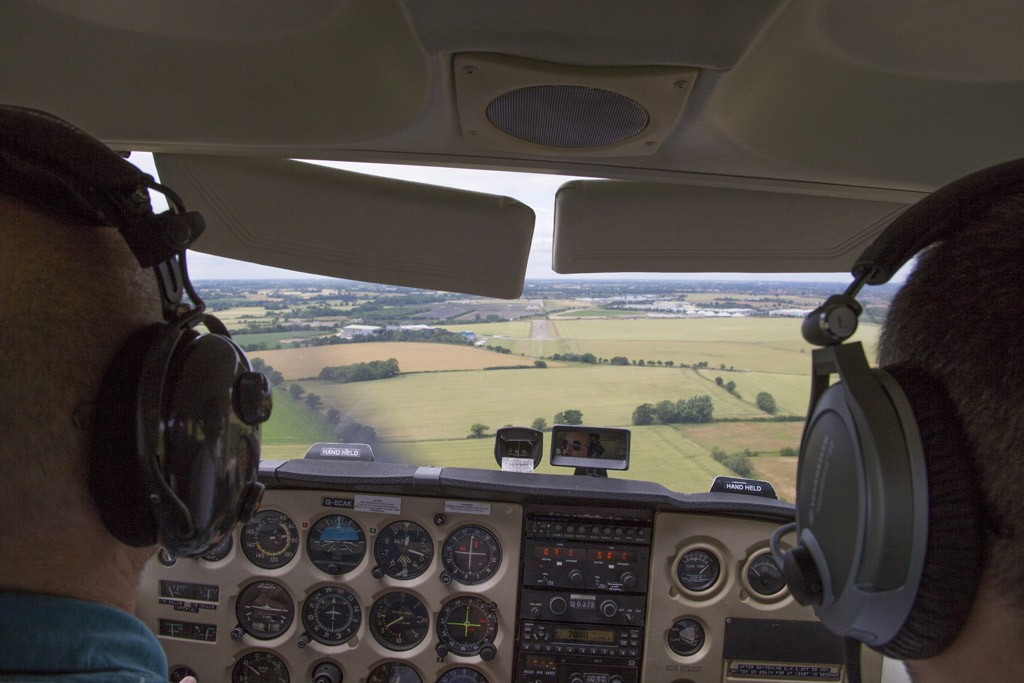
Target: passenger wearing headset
point(923, 557)
point(101, 373)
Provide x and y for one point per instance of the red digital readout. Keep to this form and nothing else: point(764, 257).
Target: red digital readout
point(573, 553)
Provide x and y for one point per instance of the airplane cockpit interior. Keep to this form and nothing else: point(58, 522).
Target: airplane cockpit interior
point(765, 137)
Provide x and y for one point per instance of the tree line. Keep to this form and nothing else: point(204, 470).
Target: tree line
point(693, 410)
point(361, 372)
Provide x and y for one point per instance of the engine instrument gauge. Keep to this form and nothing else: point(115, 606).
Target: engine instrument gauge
point(471, 554)
point(270, 539)
point(394, 672)
point(404, 550)
point(219, 551)
point(264, 609)
point(180, 672)
point(331, 615)
point(466, 624)
point(462, 675)
point(686, 637)
point(399, 620)
point(336, 544)
point(764, 576)
point(698, 570)
point(260, 667)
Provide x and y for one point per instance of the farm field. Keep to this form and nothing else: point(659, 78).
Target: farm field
point(293, 424)
point(276, 337)
point(411, 356)
point(423, 407)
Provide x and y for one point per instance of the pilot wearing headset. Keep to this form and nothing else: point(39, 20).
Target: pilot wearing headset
point(909, 532)
point(960, 317)
point(92, 348)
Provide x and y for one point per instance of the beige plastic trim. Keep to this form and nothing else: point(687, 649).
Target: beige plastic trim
point(337, 223)
point(611, 226)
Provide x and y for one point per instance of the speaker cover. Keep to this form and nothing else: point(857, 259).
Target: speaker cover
point(532, 107)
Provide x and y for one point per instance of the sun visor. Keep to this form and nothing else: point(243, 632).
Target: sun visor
point(337, 223)
point(604, 226)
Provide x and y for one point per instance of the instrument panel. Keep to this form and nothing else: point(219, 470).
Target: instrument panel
point(331, 584)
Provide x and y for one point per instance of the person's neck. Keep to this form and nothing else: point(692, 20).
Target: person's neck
point(988, 648)
point(83, 565)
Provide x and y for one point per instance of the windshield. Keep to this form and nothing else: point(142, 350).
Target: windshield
point(709, 373)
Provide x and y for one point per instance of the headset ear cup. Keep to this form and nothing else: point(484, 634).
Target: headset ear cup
point(953, 559)
point(118, 480)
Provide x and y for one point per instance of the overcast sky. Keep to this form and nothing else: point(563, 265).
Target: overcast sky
point(535, 190)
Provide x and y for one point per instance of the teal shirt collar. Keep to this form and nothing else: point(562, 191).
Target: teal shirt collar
point(45, 637)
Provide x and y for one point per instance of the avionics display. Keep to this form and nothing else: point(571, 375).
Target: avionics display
point(597, 636)
point(589, 554)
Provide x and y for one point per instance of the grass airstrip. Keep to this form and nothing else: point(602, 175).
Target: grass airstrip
point(424, 415)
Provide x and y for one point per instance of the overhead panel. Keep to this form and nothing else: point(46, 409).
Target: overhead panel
point(313, 219)
point(607, 226)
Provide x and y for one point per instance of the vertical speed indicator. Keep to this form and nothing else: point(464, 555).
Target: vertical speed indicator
point(471, 554)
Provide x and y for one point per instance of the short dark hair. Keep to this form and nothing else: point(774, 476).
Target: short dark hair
point(960, 317)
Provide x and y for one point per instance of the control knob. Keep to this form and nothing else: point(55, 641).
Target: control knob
point(576, 677)
point(609, 608)
point(628, 581)
point(327, 673)
point(558, 605)
point(487, 652)
point(576, 577)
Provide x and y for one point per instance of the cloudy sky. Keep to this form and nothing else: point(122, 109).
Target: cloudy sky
point(535, 190)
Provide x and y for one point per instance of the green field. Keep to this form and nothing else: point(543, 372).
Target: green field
point(272, 338)
point(597, 313)
point(444, 405)
point(294, 423)
point(424, 417)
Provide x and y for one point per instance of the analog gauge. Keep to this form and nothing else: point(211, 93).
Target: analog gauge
point(179, 672)
point(462, 675)
point(394, 672)
point(270, 539)
point(336, 544)
point(399, 620)
point(260, 667)
point(219, 551)
point(686, 637)
point(698, 570)
point(471, 555)
point(466, 624)
point(764, 576)
point(264, 609)
point(331, 615)
point(404, 550)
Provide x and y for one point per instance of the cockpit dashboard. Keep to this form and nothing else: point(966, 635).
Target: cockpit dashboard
point(382, 572)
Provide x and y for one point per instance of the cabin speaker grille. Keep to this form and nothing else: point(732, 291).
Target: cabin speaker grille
point(560, 110)
point(569, 116)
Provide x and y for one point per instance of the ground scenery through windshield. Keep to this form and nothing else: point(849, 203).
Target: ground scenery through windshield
point(711, 377)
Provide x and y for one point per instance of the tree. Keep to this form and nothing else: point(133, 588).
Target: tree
point(275, 377)
point(766, 402)
point(696, 409)
point(643, 414)
point(478, 431)
point(334, 416)
point(730, 386)
point(667, 412)
point(640, 363)
point(257, 364)
point(619, 360)
point(296, 391)
point(539, 364)
point(312, 400)
point(540, 424)
point(719, 381)
point(569, 417)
